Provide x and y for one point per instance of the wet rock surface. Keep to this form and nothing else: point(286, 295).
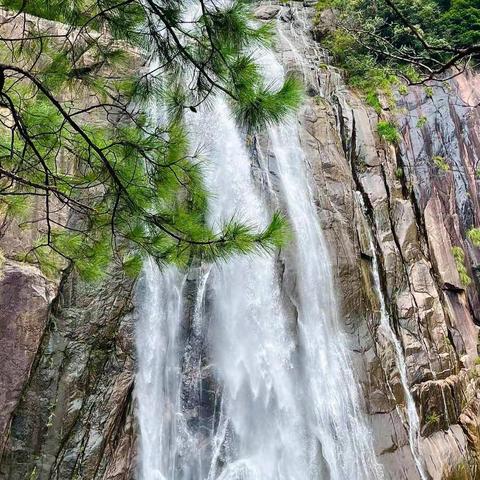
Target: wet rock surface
point(67, 355)
point(75, 415)
point(417, 214)
point(25, 296)
point(417, 217)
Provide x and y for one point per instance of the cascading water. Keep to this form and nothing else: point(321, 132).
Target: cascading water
point(236, 387)
point(252, 347)
point(413, 422)
point(329, 384)
point(159, 374)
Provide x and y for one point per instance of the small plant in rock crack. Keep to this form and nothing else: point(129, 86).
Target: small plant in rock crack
point(403, 90)
point(429, 92)
point(51, 417)
point(33, 474)
point(361, 164)
point(446, 341)
point(371, 97)
point(459, 257)
point(388, 131)
point(474, 373)
point(474, 236)
point(399, 174)
point(433, 418)
point(422, 121)
point(462, 471)
point(441, 163)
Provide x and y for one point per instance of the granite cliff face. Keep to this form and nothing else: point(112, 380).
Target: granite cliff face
point(67, 357)
point(417, 214)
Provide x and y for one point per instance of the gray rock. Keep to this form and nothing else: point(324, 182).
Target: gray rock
point(67, 367)
point(266, 12)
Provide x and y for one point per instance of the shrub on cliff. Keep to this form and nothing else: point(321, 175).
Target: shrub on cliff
point(388, 131)
point(419, 39)
point(459, 257)
point(461, 22)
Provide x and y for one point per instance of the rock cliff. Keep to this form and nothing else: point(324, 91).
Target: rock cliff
point(417, 213)
point(67, 356)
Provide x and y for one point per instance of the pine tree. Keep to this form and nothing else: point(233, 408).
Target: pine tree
point(76, 93)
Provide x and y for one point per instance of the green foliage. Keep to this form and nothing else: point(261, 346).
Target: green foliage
point(459, 257)
point(371, 97)
point(461, 22)
point(362, 69)
point(399, 174)
point(429, 92)
point(388, 131)
point(325, 4)
point(33, 474)
point(83, 12)
point(257, 109)
point(50, 263)
point(411, 38)
point(18, 206)
point(474, 236)
point(134, 185)
point(441, 163)
point(132, 264)
point(432, 419)
point(422, 121)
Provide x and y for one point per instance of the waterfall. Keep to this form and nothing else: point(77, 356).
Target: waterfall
point(232, 385)
point(159, 375)
point(413, 422)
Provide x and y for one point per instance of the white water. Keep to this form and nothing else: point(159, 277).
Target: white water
point(387, 330)
point(159, 374)
point(231, 385)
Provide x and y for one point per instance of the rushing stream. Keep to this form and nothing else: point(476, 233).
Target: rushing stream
point(232, 385)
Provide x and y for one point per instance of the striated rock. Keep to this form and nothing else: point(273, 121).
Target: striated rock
point(440, 243)
point(416, 219)
point(68, 367)
point(25, 297)
point(444, 452)
point(75, 417)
